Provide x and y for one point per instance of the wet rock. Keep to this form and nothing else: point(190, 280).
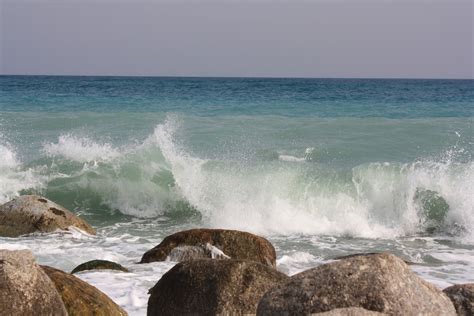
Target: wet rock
point(350, 311)
point(28, 214)
point(24, 288)
point(378, 282)
point(462, 296)
point(81, 298)
point(234, 244)
point(99, 265)
point(210, 287)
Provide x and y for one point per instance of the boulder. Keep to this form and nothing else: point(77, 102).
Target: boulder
point(211, 287)
point(350, 311)
point(81, 298)
point(231, 243)
point(462, 296)
point(24, 288)
point(28, 214)
point(99, 265)
point(378, 282)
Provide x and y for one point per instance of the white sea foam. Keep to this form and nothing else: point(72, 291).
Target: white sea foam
point(81, 149)
point(14, 179)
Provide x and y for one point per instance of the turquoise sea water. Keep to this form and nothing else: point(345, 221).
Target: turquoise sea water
point(321, 167)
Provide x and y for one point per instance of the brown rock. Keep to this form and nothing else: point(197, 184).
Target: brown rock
point(462, 296)
point(81, 298)
point(379, 282)
point(233, 243)
point(24, 288)
point(210, 287)
point(28, 214)
point(350, 311)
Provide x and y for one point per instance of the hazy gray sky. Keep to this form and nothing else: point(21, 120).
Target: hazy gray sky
point(319, 38)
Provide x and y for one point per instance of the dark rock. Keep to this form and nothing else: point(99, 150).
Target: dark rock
point(233, 243)
point(350, 311)
point(81, 298)
point(462, 296)
point(30, 213)
point(379, 282)
point(99, 265)
point(210, 287)
point(24, 288)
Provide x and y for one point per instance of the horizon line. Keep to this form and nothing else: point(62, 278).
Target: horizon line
point(230, 77)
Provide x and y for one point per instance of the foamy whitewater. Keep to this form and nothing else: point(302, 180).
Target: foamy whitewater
point(322, 168)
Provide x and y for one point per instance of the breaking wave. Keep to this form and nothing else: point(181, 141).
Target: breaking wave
point(159, 177)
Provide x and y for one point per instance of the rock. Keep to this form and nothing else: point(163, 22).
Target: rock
point(211, 287)
point(81, 298)
point(27, 214)
point(233, 243)
point(350, 311)
point(462, 296)
point(99, 265)
point(367, 254)
point(378, 282)
point(24, 288)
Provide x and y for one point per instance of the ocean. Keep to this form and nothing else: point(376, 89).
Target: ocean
point(320, 167)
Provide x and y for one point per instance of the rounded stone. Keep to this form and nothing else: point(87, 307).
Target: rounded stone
point(28, 214)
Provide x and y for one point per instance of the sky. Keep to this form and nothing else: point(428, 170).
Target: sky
point(297, 38)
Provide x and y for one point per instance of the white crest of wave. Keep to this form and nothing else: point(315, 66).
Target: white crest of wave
point(377, 203)
point(81, 149)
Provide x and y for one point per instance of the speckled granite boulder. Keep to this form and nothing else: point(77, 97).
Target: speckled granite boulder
point(99, 265)
point(28, 214)
point(211, 287)
point(233, 243)
point(349, 311)
point(462, 296)
point(24, 288)
point(81, 298)
point(378, 282)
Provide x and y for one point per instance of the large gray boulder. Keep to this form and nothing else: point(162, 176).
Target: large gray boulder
point(462, 296)
point(28, 214)
point(81, 298)
point(378, 282)
point(24, 288)
point(211, 287)
point(211, 243)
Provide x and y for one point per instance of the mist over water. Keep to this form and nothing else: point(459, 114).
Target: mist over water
point(322, 168)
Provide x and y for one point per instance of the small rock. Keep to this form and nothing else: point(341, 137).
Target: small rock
point(28, 214)
point(99, 265)
point(378, 282)
point(24, 288)
point(81, 298)
point(210, 287)
point(462, 296)
point(232, 243)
